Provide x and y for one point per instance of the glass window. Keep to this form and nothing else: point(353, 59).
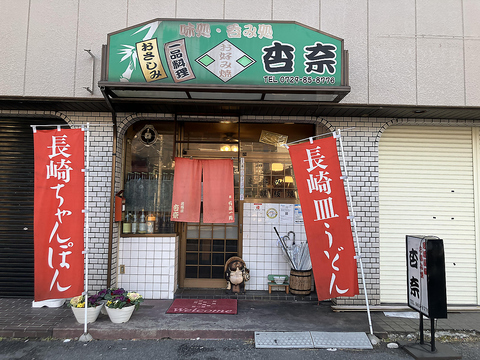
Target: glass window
point(148, 178)
point(268, 169)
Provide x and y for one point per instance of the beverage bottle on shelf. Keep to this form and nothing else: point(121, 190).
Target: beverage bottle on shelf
point(134, 223)
point(158, 219)
point(150, 223)
point(142, 225)
point(127, 224)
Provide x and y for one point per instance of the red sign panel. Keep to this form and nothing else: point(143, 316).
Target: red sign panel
point(58, 216)
point(325, 211)
point(218, 195)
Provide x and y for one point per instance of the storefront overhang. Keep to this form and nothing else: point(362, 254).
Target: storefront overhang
point(233, 108)
point(205, 62)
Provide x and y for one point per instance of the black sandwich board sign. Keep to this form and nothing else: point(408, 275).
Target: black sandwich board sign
point(426, 276)
point(427, 292)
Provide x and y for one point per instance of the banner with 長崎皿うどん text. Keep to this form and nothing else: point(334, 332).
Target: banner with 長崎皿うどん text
point(325, 216)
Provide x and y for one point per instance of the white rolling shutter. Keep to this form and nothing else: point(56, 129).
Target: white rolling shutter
point(426, 187)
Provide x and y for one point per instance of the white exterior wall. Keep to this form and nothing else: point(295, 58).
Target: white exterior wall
point(401, 51)
point(406, 52)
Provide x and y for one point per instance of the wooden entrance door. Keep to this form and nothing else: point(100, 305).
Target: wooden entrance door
point(204, 247)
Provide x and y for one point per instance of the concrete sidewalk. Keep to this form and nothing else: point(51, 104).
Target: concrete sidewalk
point(18, 319)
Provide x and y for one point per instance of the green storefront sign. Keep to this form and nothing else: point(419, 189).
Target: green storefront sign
point(216, 53)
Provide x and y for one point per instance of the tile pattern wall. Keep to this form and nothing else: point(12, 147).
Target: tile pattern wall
point(262, 252)
point(150, 266)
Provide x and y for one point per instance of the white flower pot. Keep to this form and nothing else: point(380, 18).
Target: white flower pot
point(92, 314)
point(122, 315)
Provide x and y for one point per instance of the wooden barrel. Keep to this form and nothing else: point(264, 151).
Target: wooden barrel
point(300, 282)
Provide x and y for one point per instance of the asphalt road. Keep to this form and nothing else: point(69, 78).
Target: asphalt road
point(196, 349)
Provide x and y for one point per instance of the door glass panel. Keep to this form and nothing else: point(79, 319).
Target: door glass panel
point(192, 259)
point(219, 245)
point(205, 232)
point(191, 271)
point(192, 245)
point(231, 245)
point(218, 272)
point(218, 259)
point(205, 259)
point(218, 233)
point(192, 232)
point(204, 272)
point(206, 245)
point(231, 232)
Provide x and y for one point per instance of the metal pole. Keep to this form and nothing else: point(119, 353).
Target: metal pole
point(352, 217)
point(432, 331)
point(86, 336)
point(422, 341)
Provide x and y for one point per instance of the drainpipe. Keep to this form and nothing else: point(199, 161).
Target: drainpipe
point(112, 189)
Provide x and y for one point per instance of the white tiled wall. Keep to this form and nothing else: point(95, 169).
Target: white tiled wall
point(150, 266)
point(262, 252)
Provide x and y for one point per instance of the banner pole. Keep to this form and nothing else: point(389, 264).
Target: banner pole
point(338, 136)
point(86, 336)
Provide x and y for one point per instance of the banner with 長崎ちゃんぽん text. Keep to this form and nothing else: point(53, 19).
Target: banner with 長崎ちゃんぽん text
point(58, 213)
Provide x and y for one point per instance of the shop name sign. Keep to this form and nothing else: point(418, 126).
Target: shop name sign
point(426, 289)
point(234, 53)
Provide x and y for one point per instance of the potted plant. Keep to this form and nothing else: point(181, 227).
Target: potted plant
point(94, 307)
point(121, 304)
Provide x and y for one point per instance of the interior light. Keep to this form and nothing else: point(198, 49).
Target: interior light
point(277, 167)
point(234, 148)
point(289, 179)
point(225, 148)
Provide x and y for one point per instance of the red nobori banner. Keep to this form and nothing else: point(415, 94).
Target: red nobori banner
point(325, 211)
point(58, 216)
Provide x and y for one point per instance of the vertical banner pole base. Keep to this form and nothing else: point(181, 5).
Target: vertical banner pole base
point(85, 338)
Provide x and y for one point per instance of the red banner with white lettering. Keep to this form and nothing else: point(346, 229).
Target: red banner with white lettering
point(218, 195)
point(58, 213)
point(218, 206)
point(187, 190)
point(325, 211)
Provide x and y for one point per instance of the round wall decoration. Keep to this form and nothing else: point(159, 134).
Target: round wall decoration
point(148, 135)
point(272, 213)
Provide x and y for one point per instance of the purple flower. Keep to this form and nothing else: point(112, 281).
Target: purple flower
point(118, 291)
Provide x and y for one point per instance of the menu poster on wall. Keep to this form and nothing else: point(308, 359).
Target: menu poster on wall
point(258, 210)
point(298, 214)
point(286, 214)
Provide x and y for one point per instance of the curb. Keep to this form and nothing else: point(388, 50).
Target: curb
point(155, 334)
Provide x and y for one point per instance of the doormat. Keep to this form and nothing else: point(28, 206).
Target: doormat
point(203, 306)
